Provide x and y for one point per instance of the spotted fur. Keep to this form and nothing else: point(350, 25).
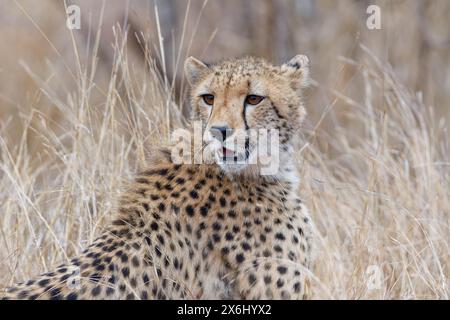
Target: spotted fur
point(186, 231)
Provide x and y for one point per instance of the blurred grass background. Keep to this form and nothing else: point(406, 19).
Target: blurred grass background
point(414, 39)
point(79, 111)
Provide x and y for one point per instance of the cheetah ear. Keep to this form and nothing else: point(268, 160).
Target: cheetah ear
point(298, 69)
point(194, 68)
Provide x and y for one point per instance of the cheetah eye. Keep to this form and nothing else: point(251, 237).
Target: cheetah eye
point(208, 99)
point(253, 99)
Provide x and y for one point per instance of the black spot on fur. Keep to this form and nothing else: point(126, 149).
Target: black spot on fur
point(72, 296)
point(190, 210)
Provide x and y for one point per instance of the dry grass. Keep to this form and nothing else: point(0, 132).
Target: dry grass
point(384, 200)
point(375, 166)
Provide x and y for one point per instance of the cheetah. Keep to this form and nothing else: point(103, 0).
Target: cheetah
point(215, 230)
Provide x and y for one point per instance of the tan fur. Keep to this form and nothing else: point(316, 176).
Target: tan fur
point(199, 231)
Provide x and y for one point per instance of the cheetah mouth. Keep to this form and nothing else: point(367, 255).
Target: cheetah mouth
point(227, 155)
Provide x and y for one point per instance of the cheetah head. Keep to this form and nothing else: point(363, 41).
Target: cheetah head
point(247, 105)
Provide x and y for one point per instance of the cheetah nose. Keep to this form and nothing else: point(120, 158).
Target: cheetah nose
point(221, 133)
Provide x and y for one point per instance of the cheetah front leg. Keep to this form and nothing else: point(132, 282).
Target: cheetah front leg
point(279, 267)
point(272, 278)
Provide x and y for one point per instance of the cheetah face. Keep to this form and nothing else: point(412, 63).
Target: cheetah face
point(246, 106)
